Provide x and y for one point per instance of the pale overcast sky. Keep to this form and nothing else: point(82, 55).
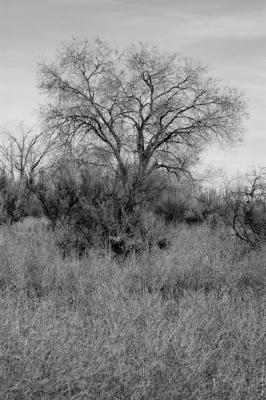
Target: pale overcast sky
point(228, 35)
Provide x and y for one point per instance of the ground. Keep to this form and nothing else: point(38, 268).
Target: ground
point(186, 322)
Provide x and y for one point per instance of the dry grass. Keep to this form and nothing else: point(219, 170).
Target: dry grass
point(188, 323)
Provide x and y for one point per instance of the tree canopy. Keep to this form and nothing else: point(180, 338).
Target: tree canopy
point(138, 107)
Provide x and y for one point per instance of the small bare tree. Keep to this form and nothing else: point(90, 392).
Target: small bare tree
point(23, 153)
point(247, 208)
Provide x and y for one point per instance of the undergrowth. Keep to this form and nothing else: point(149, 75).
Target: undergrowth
point(187, 322)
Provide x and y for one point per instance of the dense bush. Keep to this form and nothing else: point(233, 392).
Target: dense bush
point(190, 203)
point(86, 208)
point(14, 200)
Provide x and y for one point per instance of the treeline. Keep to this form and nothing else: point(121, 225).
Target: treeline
point(87, 206)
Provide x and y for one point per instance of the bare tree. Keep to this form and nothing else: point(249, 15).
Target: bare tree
point(23, 153)
point(138, 108)
point(247, 208)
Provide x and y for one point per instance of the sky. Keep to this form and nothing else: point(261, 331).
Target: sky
point(227, 35)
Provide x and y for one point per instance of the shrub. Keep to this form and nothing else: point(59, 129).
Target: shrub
point(14, 200)
point(246, 210)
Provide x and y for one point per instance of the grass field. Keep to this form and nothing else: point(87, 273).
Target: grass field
point(188, 322)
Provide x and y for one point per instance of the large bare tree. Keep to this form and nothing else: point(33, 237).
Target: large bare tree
point(139, 107)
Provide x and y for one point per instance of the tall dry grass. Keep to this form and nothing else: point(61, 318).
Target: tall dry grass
point(186, 323)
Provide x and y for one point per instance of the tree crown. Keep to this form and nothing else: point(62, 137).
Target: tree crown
point(140, 106)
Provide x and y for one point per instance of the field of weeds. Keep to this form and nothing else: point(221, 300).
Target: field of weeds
point(187, 322)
